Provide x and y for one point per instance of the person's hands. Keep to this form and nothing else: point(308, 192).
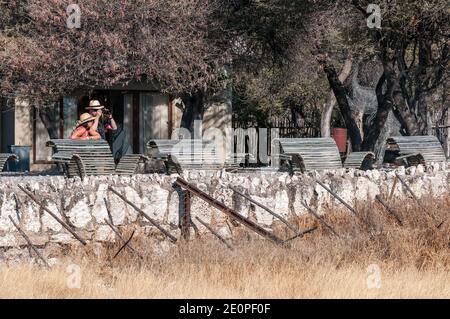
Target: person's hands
point(107, 114)
point(99, 113)
point(94, 135)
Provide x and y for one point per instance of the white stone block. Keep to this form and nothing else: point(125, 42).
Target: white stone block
point(80, 215)
point(8, 208)
point(8, 240)
point(118, 209)
point(104, 233)
point(32, 219)
point(48, 222)
point(133, 197)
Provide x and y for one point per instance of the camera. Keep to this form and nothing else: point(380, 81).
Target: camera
point(107, 115)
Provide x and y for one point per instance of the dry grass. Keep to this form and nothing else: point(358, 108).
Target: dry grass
point(215, 281)
point(414, 261)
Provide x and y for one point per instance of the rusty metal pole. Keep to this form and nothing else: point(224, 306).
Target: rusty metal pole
point(228, 211)
point(186, 218)
point(125, 244)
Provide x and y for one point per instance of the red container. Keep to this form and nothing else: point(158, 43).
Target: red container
point(340, 136)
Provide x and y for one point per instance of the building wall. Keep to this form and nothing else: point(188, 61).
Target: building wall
point(23, 129)
point(218, 111)
point(177, 114)
point(217, 122)
point(42, 153)
point(18, 124)
point(24, 124)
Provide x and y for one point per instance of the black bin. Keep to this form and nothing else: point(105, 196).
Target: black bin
point(23, 152)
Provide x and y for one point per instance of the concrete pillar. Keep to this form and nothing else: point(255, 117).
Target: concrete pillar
point(218, 120)
point(23, 128)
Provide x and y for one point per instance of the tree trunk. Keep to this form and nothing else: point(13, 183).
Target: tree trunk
point(325, 121)
point(193, 109)
point(50, 121)
point(344, 107)
point(384, 107)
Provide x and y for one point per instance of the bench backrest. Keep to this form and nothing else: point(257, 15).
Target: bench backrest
point(316, 153)
point(96, 155)
point(360, 160)
point(4, 158)
point(428, 146)
point(186, 152)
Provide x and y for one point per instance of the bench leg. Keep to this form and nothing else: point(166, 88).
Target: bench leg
point(129, 164)
point(297, 163)
point(80, 166)
point(170, 163)
point(6, 160)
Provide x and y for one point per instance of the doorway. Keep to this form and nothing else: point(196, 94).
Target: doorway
point(140, 115)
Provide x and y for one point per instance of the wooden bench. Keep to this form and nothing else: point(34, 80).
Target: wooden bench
point(307, 154)
point(83, 158)
point(415, 149)
point(412, 159)
point(360, 160)
point(178, 155)
point(4, 158)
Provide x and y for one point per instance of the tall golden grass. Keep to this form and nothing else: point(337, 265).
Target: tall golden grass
point(413, 261)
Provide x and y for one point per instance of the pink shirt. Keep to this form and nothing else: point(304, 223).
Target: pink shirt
point(84, 135)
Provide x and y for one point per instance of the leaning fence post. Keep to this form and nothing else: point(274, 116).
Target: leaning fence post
point(321, 219)
point(301, 234)
point(283, 220)
point(389, 210)
point(29, 242)
point(337, 197)
point(418, 201)
point(214, 233)
point(393, 188)
point(67, 227)
point(125, 242)
point(108, 210)
point(140, 211)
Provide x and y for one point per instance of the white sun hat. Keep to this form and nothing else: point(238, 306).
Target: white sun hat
point(95, 105)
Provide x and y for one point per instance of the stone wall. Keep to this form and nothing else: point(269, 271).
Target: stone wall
point(82, 204)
